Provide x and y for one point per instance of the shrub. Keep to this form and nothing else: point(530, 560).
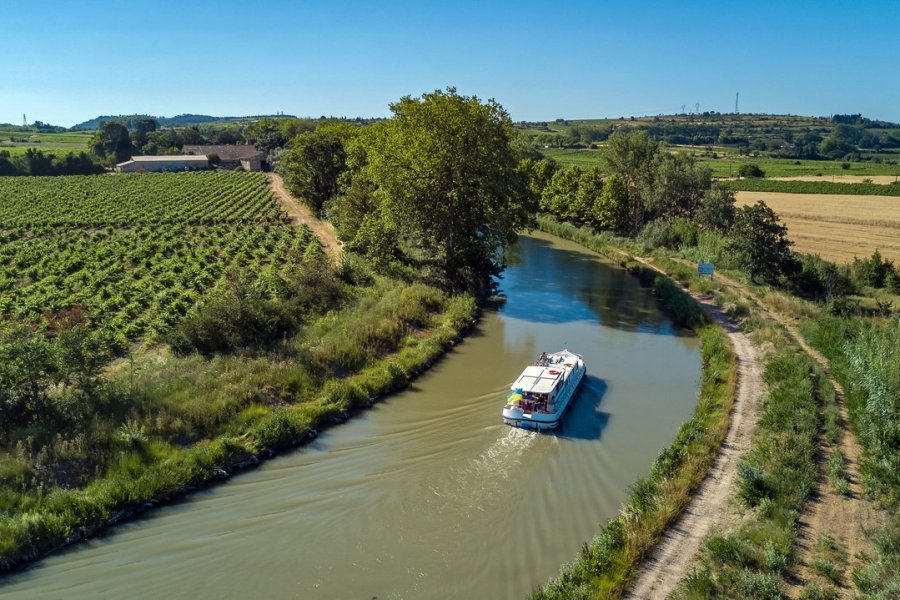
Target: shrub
point(753, 484)
point(750, 170)
point(670, 233)
point(874, 271)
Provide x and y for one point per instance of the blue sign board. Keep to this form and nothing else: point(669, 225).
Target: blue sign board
point(705, 268)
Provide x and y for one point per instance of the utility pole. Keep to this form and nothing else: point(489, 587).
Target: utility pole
point(697, 108)
point(736, 95)
point(24, 121)
point(682, 109)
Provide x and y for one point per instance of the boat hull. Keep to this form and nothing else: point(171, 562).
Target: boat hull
point(516, 417)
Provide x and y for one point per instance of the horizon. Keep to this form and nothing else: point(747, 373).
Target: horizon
point(581, 61)
point(516, 121)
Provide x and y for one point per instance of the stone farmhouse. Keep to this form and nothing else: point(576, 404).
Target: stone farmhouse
point(242, 156)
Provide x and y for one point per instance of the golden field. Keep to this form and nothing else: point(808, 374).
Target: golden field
point(835, 226)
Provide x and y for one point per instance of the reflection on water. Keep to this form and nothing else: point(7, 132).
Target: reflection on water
point(558, 285)
point(428, 495)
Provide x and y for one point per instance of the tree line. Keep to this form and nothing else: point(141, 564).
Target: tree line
point(644, 191)
point(36, 162)
point(115, 142)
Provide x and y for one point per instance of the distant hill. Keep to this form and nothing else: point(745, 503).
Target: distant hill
point(130, 121)
point(850, 137)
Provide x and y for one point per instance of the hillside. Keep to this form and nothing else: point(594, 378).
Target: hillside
point(838, 137)
point(185, 120)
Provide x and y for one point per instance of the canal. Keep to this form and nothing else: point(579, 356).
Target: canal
point(428, 494)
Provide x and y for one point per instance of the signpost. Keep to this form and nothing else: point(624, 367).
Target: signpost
point(705, 268)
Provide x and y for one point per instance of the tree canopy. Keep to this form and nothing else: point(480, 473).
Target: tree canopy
point(112, 142)
point(758, 241)
point(446, 173)
point(315, 160)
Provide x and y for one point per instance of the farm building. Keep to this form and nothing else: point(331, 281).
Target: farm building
point(163, 163)
point(231, 156)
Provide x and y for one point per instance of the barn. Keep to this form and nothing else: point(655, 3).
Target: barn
point(163, 163)
point(232, 156)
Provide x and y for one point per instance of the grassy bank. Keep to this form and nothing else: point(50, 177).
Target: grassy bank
point(865, 359)
point(812, 187)
point(774, 482)
point(188, 421)
point(608, 561)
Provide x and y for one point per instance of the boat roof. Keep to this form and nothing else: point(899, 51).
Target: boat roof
point(538, 380)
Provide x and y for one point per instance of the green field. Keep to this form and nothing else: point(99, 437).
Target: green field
point(728, 167)
point(133, 253)
point(785, 167)
point(573, 157)
point(16, 142)
point(812, 187)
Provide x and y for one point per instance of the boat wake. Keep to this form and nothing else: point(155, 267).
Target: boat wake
point(477, 484)
point(498, 459)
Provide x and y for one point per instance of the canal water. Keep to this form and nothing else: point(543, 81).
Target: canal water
point(428, 494)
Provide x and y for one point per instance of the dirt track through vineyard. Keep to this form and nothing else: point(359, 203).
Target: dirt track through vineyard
point(300, 213)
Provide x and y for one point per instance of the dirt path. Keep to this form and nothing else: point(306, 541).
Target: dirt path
point(843, 518)
point(300, 213)
point(710, 509)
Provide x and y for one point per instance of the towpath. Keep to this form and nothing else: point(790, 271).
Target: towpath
point(711, 508)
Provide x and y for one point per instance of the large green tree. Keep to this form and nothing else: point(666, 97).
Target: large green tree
point(631, 155)
point(717, 211)
point(560, 196)
point(112, 142)
point(611, 207)
point(675, 186)
point(314, 162)
point(758, 242)
point(144, 127)
point(447, 175)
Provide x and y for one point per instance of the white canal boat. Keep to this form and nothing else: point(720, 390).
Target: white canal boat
point(544, 391)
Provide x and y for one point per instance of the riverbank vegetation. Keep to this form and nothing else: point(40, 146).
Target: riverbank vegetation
point(162, 331)
point(774, 481)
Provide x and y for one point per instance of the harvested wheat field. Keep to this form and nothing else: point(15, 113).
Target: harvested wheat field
point(835, 226)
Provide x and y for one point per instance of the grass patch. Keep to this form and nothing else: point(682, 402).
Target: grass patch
point(774, 481)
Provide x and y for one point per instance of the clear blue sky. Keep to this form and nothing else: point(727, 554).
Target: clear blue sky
point(68, 61)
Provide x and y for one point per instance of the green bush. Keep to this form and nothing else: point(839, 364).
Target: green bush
point(750, 170)
point(669, 233)
point(753, 484)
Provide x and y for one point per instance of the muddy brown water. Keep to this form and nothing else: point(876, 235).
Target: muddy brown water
point(428, 494)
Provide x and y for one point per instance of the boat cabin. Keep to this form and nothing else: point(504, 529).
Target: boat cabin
point(537, 386)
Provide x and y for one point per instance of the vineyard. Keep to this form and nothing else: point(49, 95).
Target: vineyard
point(133, 253)
point(812, 187)
point(130, 199)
